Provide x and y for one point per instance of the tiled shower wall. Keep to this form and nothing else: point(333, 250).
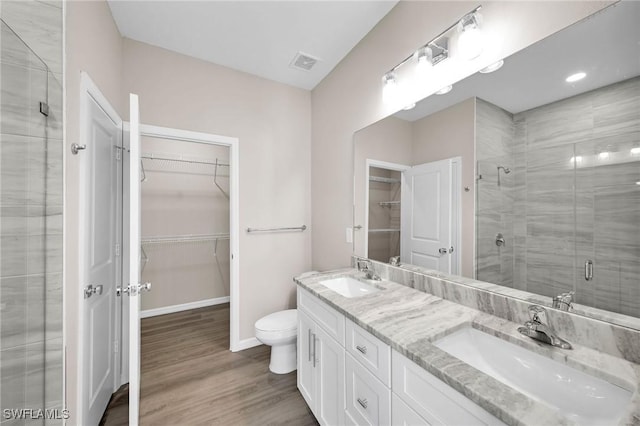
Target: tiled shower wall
point(31, 208)
point(571, 196)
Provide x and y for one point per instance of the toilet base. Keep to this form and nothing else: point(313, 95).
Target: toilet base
point(283, 359)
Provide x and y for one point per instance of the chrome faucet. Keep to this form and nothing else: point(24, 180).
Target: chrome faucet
point(563, 301)
point(537, 328)
point(366, 267)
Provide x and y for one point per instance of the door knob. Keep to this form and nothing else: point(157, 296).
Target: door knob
point(443, 250)
point(90, 290)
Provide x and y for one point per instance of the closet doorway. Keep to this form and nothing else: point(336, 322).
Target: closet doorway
point(183, 172)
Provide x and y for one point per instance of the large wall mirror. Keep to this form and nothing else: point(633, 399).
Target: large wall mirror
point(527, 177)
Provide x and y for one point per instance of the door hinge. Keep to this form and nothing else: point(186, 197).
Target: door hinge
point(115, 346)
point(117, 250)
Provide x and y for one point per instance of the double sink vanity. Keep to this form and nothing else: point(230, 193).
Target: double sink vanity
point(374, 351)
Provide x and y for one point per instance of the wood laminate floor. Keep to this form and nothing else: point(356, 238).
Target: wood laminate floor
point(189, 376)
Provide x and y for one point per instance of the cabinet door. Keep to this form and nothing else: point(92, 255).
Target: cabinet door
point(330, 379)
point(402, 415)
point(306, 371)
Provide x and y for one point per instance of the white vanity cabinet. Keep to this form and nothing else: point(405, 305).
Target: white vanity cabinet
point(321, 359)
point(348, 376)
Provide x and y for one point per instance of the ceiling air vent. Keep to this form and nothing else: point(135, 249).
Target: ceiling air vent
point(303, 62)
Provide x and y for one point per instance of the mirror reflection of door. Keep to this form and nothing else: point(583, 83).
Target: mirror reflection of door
point(413, 213)
point(429, 227)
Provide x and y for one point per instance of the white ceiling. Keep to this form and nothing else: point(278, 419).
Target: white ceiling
point(606, 46)
point(257, 37)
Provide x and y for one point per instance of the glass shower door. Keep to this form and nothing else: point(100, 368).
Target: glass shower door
point(30, 231)
point(608, 223)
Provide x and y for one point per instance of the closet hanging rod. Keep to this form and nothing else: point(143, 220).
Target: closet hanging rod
point(294, 228)
point(156, 157)
point(184, 238)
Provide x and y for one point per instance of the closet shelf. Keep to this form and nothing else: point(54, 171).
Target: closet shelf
point(383, 179)
point(381, 230)
point(389, 203)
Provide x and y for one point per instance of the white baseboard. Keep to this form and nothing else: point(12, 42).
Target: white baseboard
point(183, 307)
point(245, 344)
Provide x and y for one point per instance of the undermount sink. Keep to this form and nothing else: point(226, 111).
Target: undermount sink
point(349, 287)
point(582, 398)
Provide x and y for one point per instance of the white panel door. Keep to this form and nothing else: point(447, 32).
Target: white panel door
point(99, 193)
point(426, 216)
point(134, 260)
point(330, 379)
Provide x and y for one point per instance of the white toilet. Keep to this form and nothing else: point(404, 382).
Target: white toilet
point(280, 330)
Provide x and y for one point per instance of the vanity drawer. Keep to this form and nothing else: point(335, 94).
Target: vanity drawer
point(328, 318)
point(368, 400)
point(370, 351)
point(432, 399)
point(403, 415)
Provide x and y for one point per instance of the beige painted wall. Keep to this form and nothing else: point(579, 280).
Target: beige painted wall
point(94, 45)
point(350, 98)
point(273, 124)
point(451, 133)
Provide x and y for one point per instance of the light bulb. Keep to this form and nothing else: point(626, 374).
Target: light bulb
point(635, 151)
point(604, 155)
point(470, 41)
point(577, 159)
point(390, 91)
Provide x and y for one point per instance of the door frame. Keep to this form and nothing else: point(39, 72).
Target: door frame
point(89, 91)
point(383, 165)
point(234, 212)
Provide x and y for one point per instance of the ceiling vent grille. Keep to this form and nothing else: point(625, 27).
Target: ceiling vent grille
point(303, 62)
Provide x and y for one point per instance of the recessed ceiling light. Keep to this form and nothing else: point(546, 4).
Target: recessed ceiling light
point(493, 67)
point(576, 77)
point(410, 106)
point(444, 90)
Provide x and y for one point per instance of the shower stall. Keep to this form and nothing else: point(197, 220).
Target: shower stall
point(567, 216)
point(30, 229)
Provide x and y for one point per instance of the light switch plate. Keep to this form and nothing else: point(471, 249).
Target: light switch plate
point(349, 235)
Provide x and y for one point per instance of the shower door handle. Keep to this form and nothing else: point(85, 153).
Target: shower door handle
point(588, 270)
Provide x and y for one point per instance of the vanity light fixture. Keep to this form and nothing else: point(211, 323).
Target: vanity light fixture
point(493, 67)
point(576, 77)
point(470, 41)
point(577, 159)
point(604, 155)
point(410, 106)
point(635, 151)
point(436, 51)
point(638, 182)
point(444, 90)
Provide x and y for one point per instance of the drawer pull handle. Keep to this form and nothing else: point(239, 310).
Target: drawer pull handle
point(362, 349)
point(363, 402)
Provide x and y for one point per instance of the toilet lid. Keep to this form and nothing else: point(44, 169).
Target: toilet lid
point(279, 321)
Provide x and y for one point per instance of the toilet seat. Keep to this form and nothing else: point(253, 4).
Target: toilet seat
point(283, 322)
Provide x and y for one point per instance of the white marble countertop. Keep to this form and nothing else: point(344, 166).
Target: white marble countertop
point(410, 320)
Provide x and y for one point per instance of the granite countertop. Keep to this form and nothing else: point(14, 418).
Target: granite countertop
point(410, 320)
